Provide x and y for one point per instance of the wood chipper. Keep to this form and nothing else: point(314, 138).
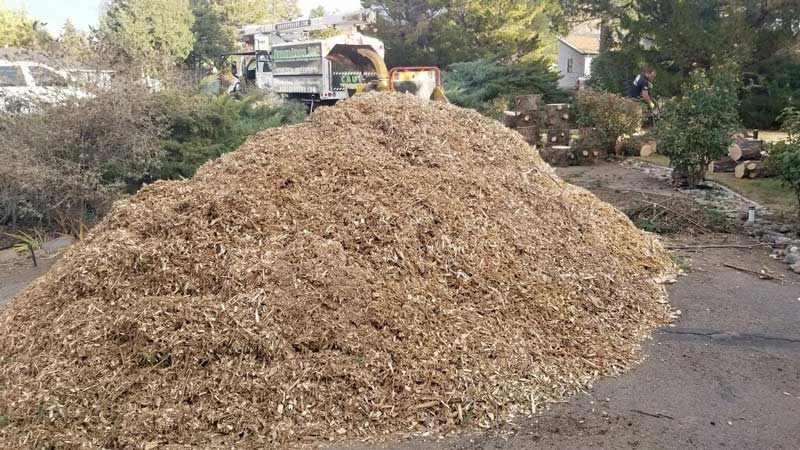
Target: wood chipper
point(294, 61)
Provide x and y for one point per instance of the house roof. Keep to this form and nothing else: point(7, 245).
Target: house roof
point(584, 38)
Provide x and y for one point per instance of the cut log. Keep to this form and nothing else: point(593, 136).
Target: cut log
point(510, 119)
point(558, 136)
point(531, 135)
point(725, 164)
point(746, 150)
point(527, 102)
point(528, 119)
point(648, 149)
point(557, 156)
point(752, 169)
point(557, 115)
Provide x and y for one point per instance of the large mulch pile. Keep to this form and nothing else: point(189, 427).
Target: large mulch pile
point(390, 266)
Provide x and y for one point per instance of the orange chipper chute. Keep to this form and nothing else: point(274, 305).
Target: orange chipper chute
point(423, 82)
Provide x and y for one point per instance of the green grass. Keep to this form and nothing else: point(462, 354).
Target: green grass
point(767, 191)
point(772, 136)
point(659, 160)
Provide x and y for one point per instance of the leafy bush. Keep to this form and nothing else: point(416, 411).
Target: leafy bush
point(489, 86)
point(612, 115)
point(61, 162)
point(202, 128)
point(696, 128)
point(785, 155)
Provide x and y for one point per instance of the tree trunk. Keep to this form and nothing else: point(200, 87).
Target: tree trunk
point(557, 115)
point(510, 119)
point(531, 135)
point(557, 156)
point(525, 103)
point(528, 119)
point(558, 137)
point(725, 164)
point(752, 169)
point(648, 149)
point(746, 150)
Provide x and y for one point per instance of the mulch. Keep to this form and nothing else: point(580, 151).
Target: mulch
point(389, 267)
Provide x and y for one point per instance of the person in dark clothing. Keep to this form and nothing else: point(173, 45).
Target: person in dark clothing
point(641, 87)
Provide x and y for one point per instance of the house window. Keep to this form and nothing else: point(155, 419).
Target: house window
point(569, 65)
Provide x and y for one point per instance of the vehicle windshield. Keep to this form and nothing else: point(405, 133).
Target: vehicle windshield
point(11, 76)
point(43, 76)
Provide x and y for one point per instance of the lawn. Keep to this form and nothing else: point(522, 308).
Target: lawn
point(772, 136)
point(766, 191)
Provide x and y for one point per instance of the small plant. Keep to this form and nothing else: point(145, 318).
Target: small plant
point(611, 115)
point(27, 241)
point(785, 155)
point(696, 127)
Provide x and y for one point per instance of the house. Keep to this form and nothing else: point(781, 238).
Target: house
point(575, 54)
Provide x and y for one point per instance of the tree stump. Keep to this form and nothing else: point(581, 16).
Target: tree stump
point(510, 119)
point(557, 115)
point(527, 119)
point(530, 134)
point(557, 156)
point(527, 102)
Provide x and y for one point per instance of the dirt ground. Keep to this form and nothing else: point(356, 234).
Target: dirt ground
point(726, 375)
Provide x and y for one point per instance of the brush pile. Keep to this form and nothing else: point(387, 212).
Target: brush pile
point(390, 266)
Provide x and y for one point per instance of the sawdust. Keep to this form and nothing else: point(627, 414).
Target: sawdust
point(391, 266)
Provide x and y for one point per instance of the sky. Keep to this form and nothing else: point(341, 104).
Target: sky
point(84, 13)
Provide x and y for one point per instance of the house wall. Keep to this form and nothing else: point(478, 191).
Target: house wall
point(569, 80)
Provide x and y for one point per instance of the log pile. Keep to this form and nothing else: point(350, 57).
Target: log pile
point(557, 122)
point(558, 156)
point(525, 118)
point(752, 169)
point(743, 159)
point(589, 146)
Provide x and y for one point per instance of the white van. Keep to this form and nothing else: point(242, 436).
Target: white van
point(24, 84)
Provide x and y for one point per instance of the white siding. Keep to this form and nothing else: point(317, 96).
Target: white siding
point(569, 79)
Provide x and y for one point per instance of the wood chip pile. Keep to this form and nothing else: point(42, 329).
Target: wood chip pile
point(390, 266)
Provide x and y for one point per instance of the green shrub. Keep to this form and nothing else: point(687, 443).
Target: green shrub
point(612, 115)
point(785, 155)
point(696, 127)
point(489, 86)
point(202, 128)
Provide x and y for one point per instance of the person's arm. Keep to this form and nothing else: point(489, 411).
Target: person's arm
point(646, 96)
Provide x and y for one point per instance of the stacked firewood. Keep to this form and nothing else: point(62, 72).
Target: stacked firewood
point(745, 159)
point(526, 119)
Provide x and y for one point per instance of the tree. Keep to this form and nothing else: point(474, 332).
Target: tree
point(441, 32)
point(18, 30)
point(696, 128)
point(73, 43)
point(153, 33)
point(317, 11)
point(217, 23)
